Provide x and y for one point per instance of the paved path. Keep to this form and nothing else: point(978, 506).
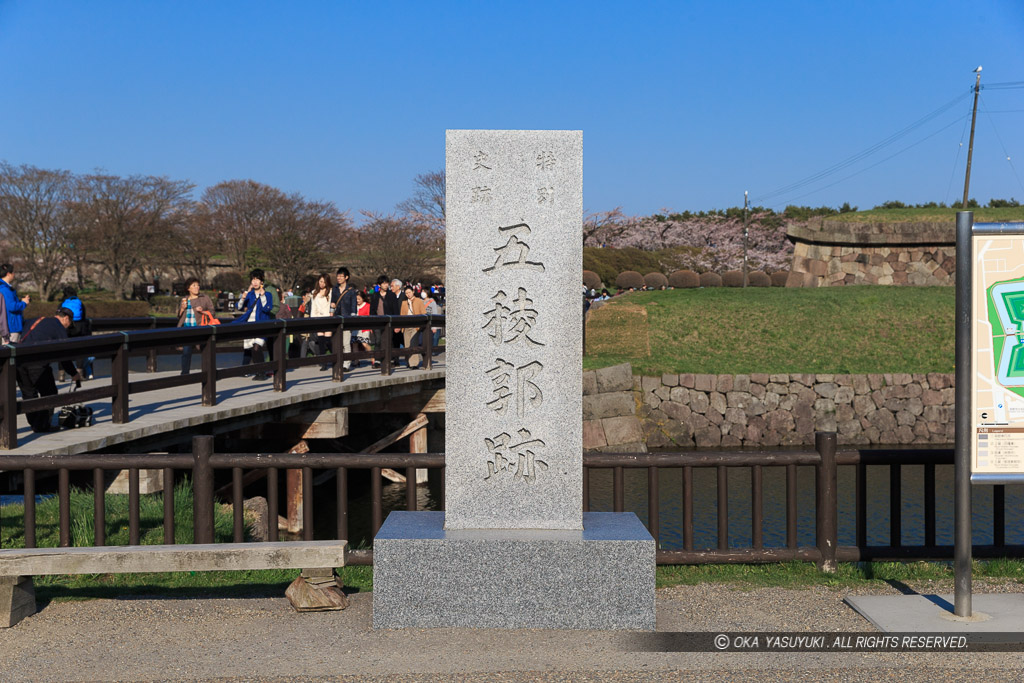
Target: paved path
point(264, 639)
point(164, 411)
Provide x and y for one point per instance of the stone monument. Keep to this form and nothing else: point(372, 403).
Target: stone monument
point(513, 548)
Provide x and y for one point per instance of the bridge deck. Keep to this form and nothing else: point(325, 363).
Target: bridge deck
point(162, 412)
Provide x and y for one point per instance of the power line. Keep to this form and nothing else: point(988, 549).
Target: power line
point(1007, 85)
point(835, 168)
point(877, 163)
point(1001, 144)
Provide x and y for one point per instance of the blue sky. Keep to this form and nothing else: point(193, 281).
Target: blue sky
point(683, 105)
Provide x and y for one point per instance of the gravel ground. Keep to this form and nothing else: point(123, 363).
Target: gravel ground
point(264, 639)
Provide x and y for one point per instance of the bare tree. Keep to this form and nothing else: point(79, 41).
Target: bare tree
point(303, 236)
point(126, 221)
point(193, 244)
point(427, 204)
point(34, 221)
point(604, 226)
point(240, 214)
point(398, 245)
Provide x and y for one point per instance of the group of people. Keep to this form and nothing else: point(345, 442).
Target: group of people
point(260, 302)
point(36, 379)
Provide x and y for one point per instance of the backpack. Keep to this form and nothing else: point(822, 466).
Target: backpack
point(275, 297)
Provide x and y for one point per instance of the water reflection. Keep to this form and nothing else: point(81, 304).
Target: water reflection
point(705, 501)
point(705, 493)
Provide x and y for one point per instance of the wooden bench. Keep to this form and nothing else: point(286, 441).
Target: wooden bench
point(18, 566)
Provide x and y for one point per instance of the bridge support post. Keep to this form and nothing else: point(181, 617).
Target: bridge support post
point(418, 444)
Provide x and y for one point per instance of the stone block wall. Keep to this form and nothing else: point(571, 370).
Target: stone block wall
point(823, 265)
point(689, 410)
point(610, 421)
point(829, 252)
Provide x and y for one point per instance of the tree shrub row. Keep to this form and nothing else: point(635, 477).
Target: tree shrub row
point(684, 279)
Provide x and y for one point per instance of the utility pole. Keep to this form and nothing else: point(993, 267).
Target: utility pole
point(970, 145)
point(744, 238)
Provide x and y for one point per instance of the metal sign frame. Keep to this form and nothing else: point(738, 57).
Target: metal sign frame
point(966, 437)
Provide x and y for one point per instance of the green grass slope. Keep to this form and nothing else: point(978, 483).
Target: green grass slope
point(729, 331)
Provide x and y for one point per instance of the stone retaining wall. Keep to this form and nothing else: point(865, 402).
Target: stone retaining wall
point(610, 420)
point(832, 252)
point(823, 265)
point(786, 409)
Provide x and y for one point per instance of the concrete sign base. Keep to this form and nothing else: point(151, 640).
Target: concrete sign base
point(998, 614)
point(599, 578)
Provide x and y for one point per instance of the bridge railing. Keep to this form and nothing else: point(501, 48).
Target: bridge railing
point(203, 465)
point(154, 339)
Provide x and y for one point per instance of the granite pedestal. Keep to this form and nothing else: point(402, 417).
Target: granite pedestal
point(599, 578)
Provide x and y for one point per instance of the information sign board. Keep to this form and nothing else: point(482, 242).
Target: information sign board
point(997, 327)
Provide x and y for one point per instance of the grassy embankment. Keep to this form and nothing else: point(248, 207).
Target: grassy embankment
point(936, 215)
point(776, 330)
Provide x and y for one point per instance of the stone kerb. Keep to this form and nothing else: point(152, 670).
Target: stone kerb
point(701, 410)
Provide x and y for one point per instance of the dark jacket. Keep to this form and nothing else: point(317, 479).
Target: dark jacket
point(392, 304)
point(45, 330)
point(346, 303)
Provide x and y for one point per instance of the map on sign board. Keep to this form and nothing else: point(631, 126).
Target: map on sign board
point(998, 363)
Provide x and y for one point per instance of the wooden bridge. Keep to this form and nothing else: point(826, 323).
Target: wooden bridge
point(152, 409)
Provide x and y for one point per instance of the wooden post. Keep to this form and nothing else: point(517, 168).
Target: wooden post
point(119, 409)
point(202, 489)
point(826, 508)
point(281, 360)
point(418, 444)
point(9, 409)
point(293, 491)
point(209, 362)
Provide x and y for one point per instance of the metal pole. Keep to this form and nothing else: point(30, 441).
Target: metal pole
point(744, 238)
point(970, 144)
point(962, 464)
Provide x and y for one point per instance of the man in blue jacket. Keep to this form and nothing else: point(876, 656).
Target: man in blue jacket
point(257, 304)
point(14, 305)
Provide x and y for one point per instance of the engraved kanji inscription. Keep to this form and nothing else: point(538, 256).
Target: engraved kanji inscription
point(515, 455)
point(545, 195)
point(546, 160)
point(511, 383)
point(481, 193)
point(481, 161)
point(511, 322)
point(515, 252)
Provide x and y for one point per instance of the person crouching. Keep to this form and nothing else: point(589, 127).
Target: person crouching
point(36, 379)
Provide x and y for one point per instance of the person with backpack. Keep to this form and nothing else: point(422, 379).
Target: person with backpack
point(80, 326)
point(190, 314)
point(36, 379)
